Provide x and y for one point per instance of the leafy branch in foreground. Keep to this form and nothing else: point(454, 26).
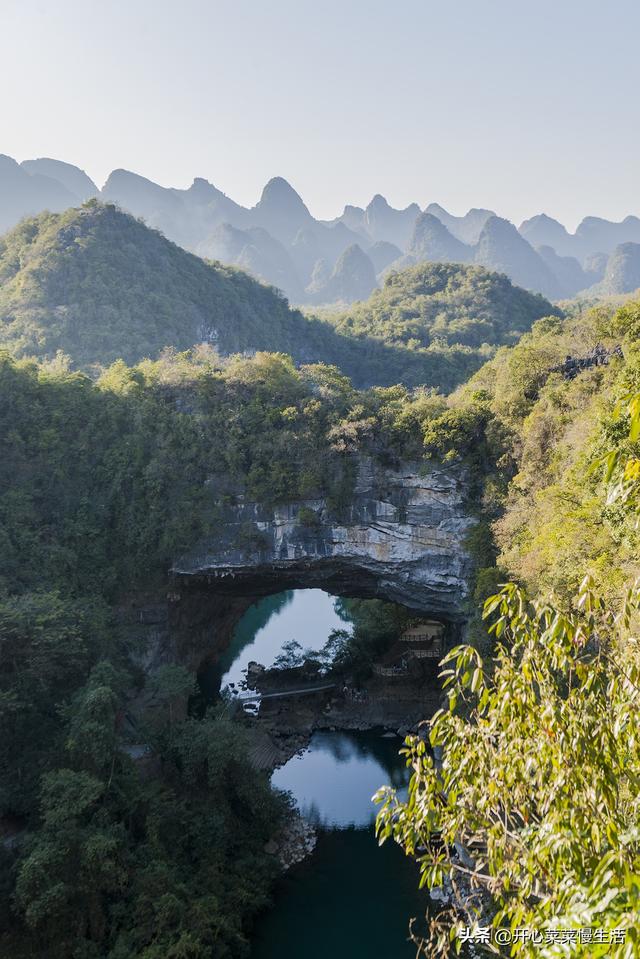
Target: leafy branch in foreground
point(527, 801)
point(622, 466)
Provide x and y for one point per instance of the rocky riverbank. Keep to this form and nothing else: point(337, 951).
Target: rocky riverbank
point(284, 727)
point(296, 841)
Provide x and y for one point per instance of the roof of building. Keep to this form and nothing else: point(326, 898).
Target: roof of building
point(427, 630)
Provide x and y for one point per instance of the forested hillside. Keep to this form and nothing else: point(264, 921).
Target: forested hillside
point(101, 483)
point(554, 419)
point(539, 739)
point(99, 285)
point(445, 306)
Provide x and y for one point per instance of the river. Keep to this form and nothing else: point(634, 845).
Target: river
point(350, 898)
point(304, 615)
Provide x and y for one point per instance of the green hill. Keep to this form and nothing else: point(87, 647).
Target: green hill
point(436, 305)
point(99, 285)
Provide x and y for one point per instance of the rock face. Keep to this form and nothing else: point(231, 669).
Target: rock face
point(353, 278)
point(22, 194)
point(567, 270)
point(401, 540)
point(382, 254)
point(595, 235)
point(623, 270)
point(466, 228)
point(281, 210)
point(501, 248)
point(383, 222)
point(71, 177)
point(543, 230)
point(432, 241)
point(255, 251)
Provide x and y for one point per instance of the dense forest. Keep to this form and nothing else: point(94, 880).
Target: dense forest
point(539, 743)
point(442, 305)
point(121, 433)
point(103, 482)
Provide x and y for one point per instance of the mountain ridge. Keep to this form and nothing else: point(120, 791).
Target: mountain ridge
point(99, 285)
point(311, 247)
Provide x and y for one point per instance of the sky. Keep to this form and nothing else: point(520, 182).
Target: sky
point(521, 106)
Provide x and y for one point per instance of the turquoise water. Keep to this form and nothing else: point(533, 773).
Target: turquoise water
point(350, 899)
point(306, 615)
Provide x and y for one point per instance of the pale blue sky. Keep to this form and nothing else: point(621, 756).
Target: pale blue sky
point(517, 105)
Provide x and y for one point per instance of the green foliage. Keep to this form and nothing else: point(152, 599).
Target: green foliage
point(532, 440)
point(308, 518)
point(448, 303)
point(124, 866)
point(291, 656)
point(449, 316)
point(200, 868)
point(538, 778)
point(622, 463)
point(98, 286)
point(376, 625)
point(100, 482)
point(102, 485)
point(525, 796)
point(47, 645)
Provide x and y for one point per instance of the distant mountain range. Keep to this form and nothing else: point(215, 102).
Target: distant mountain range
point(339, 261)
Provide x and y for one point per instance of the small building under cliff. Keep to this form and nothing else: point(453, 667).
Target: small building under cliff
point(424, 641)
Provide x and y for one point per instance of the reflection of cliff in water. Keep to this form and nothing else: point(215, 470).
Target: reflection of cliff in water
point(256, 618)
point(347, 745)
point(307, 616)
point(334, 779)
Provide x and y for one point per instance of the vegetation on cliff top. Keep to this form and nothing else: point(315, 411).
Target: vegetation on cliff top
point(538, 748)
point(101, 483)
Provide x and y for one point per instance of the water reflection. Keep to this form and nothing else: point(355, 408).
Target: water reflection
point(305, 615)
point(351, 898)
point(334, 779)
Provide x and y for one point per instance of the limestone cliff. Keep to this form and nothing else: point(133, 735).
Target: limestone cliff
point(401, 539)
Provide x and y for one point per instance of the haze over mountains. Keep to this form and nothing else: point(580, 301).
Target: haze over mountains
point(339, 261)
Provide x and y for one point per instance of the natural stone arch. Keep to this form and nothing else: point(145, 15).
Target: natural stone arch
point(401, 539)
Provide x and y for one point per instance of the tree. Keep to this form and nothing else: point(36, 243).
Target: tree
point(529, 790)
point(531, 809)
point(291, 656)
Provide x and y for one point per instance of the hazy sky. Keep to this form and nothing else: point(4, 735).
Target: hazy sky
point(517, 105)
